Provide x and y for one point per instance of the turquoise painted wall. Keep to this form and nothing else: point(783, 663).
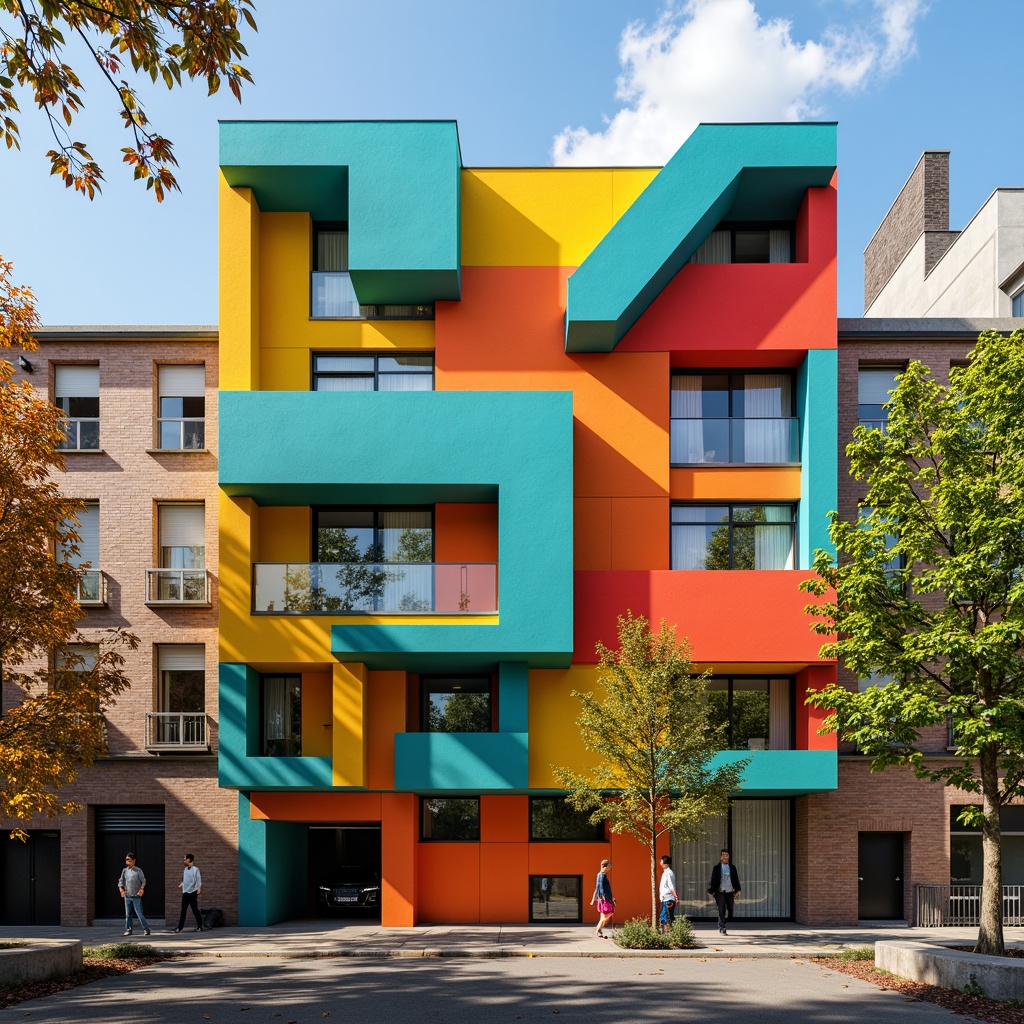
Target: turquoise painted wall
point(817, 398)
point(474, 762)
point(784, 772)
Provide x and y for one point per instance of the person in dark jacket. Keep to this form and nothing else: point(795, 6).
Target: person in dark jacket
point(603, 898)
point(725, 887)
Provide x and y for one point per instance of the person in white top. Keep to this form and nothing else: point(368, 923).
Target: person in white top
point(667, 894)
point(191, 887)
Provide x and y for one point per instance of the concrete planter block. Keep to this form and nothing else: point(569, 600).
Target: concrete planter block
point(999, 977)
point(40, 959)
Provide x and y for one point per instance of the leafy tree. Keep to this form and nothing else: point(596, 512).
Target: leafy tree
point(161, 40)
point(460, 712)
point(929, 589)
point(654, 736)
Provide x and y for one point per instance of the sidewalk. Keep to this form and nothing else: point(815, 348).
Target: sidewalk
point(352, 939)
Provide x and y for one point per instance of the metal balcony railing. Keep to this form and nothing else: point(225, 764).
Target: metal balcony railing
point(92, 589)
point(725, 441)
point(172, 730)
point(416, 588)
point(177, 586)
point(947, 906)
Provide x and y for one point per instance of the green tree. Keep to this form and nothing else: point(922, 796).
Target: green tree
point(460, 712)
point(654, 736)
point(945, 500)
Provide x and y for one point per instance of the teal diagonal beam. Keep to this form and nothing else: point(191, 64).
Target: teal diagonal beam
point(723, 171)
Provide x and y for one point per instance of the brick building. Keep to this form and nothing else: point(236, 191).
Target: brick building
point(142, 452)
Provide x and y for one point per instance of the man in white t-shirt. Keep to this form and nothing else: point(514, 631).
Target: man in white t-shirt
point(667, 894)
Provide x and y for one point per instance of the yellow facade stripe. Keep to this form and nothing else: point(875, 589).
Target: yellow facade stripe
point(349, 760)
point(239, 288)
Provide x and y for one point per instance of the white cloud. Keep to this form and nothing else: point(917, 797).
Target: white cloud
point(718, 60)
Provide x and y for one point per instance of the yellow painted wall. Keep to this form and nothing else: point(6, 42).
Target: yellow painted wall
point(239, 289)
point(317, 714)
point(284, 533)
point(554, 738)
point(543, 217)
point(349, 747)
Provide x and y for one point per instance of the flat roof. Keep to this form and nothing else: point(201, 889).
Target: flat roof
point(120, 332)
point(926, 326)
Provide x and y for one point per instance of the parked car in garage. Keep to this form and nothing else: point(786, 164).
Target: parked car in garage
point(349, 888)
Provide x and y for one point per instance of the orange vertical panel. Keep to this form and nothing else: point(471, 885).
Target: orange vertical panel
point(631, 878)
point(449, 882)
point(592, 533)
point(466, 533)
point(399, 836)
point(385, 716)
point(808, 719)
point(504, 883)
point(504, 819)
point(640, 533)
point(317, 714)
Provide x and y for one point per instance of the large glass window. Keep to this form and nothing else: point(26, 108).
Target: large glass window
point(747, 243)
point(373, 371)
point(181, 574)
point(758, 834)
point(733, 418)
point(450, 819)
point(1017, 304)
point(182, 407)
point(282, 716)
point(556, 898)
point(76, 391)
point(457, 705)
point(965, 852)
point(553, 820)
point(181, 712)
point(873, 386)
point(733, 536)
point(72, 660)
point(757, 712)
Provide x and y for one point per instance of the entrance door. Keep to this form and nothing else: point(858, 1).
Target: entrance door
point(31, 879)
point(880, 876)
point(140, 830)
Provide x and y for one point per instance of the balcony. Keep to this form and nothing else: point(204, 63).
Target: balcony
point(178, 587)
point(82, 433)
point(91, 591)
point(473, 761)
point(381, 588)
point(172, 731)
point(749, 441)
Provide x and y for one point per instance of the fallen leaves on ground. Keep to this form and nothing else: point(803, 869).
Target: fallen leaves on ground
point(93, 969)
point(963, 1005)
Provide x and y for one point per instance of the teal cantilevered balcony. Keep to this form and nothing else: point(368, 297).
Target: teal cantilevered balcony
point(784, 772)
point(414, 448)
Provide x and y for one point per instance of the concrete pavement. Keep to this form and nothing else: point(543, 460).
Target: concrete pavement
point(347, 938)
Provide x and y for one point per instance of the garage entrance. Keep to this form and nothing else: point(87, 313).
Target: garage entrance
point(343, 854)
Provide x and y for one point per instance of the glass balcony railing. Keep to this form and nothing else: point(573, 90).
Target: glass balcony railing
point(748, 441)
point(81, 434)
point(333, 294)
point(172, 730)
point(416, 588)
point(177, 586)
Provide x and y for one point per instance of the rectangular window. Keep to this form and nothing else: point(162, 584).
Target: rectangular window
point(556, 898)
point(758, 712)
point(76, 391)
point(180, 718)
point(457, 705)
point(181, 572)
point(733, 536)
point(1017, 305)
point(282, 716)
point(450, 819)
point(87, 526)
point(747, 243)
point(734, 418)
point(72, 660)
point(373, 371)
point(874, 384)
point(181, 422)
point(553, 820)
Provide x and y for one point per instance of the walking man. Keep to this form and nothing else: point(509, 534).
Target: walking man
point(132, 885)
point(725, 887)
point(191, 887)
point(667, 894)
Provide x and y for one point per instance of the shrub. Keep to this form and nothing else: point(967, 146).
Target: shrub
point(681, 935)
point(858, 953)
point(12, 944)
point(637, 933)
point(124, 951)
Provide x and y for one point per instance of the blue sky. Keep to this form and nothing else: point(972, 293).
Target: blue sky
point(532, 83)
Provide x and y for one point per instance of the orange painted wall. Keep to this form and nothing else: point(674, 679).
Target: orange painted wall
point(504, 883)
point(504, 819)
point(313, 807)
point(399, 815)
point(386, 713)
point(748, 483)
point(449, 882)
point(466, 533)
point(808, 719)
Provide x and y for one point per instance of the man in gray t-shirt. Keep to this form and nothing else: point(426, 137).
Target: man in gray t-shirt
point(132, 885)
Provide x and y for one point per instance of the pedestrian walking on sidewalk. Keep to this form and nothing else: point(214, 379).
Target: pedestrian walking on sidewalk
point(603, 898)
point(191, 886)
point(132, 885)
point(667, 894)
point(725, 887)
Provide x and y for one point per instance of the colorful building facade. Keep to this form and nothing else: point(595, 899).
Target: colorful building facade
point(468, 417)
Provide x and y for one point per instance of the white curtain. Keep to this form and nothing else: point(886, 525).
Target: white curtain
point(773, 545)
point(692, 863)
point(779, 731)
point(332, 250)
point(689, 546)
point(405, 536)
point(275, 707)
point(779, 250)
point(761, 852)
point(406, 382)
point(716, 248)
point(687, 441)
point(767, 401)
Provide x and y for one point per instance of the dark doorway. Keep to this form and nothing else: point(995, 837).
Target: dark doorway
point(335, 848)
point(880, 871)
point(120, 830)
point(31, 879)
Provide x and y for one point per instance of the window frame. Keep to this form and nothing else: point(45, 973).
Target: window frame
point(74, 420)
point(377, 528)
point(182, 420)
point(425, 800)
point(731, 506)
point(881, 421)
point(294, 677)
point(730, 679)
point(425, 691)
point(545, 918)
point(734, 226)
point(375, 374)
point(599, 836)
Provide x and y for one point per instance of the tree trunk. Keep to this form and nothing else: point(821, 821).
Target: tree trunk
point(654, 867)
point(990, 934)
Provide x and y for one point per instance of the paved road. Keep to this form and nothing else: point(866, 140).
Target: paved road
point(458, 991)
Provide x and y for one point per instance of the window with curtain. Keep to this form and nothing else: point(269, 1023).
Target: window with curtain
point(373, 371)
point(873, 386)
point(182, 530)
point(733, 418)
point(747, 243)
point(76, 391)
point(757, 712)
point(733, 536)
point(181, 423)
point(282, 716)
point(87, 525)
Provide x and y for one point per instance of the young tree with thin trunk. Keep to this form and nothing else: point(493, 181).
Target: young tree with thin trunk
point(929, 590)
point(653, 737)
